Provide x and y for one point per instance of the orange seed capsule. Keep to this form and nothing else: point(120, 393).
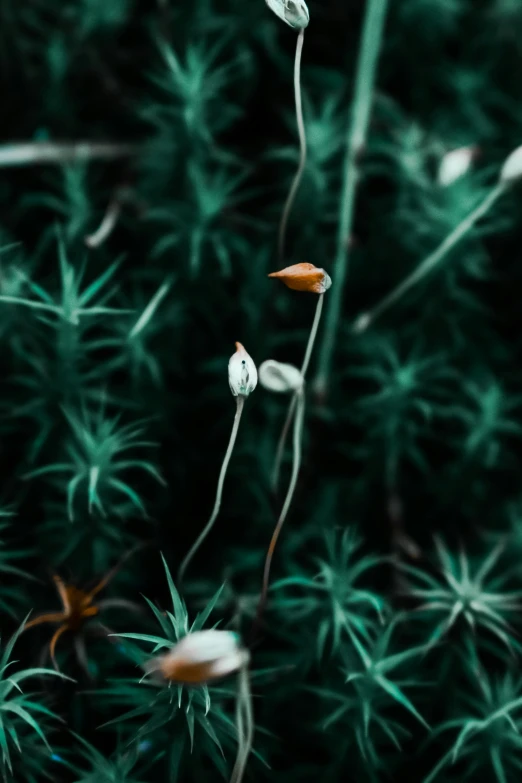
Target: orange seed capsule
point(304, 277)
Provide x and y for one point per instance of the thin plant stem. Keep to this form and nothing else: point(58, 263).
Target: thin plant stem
point(38, 152)
point(151, 308)
point(106, 227)
point(274, 481)
point(371, 40)
point(302, 146)
point(425, 267)
point(245, 724)
point(297, 453)
point(221, 480)
point(313, 335)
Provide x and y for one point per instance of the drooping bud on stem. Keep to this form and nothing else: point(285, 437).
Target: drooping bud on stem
point(304, 277)
point(278, 377)
point(293, 12)
point(308, 278)
point(242, 379)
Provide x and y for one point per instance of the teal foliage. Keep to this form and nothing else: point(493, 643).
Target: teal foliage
point(196, 717)
point(20, 710)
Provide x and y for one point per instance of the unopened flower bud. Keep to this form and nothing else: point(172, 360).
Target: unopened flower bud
point(242, 373)
point(279, 377)
point(455, 164)
point(304, 277)
point(293, 12)
point(200, 657)
point(512, 168)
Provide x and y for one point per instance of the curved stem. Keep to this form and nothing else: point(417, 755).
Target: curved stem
point(219, 492)
point(372, 35)
point(276, 470)
point(274, 481)
point(297, 444)
point(106, 227)
point(313, 335)
point(454, 237)
point(245, 725)
point(302, 145)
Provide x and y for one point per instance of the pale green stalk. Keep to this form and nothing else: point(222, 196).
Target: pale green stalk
point(429, 263)
point(302, 146)
point(364, 86)
point(291, 408)
point(245, 725)
point(219, 493)
point(297, 454)
point(151, 308)
point(38, 152)
point(106, 227)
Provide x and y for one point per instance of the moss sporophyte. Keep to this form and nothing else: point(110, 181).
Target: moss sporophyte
point(242, 379)
point(302, 277)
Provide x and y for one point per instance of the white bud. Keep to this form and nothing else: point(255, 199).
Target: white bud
point(293, 12)
point(455, 164)
point(200, 657)
point(242, 373)
point(279, 377)
point(512, 168)
point(362, 322)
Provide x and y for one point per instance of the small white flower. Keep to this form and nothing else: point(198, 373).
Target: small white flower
point(512, 168)
point(455, 164)
point(200, 657)
point(293, 12)
point(242, 373)
point(279, 377)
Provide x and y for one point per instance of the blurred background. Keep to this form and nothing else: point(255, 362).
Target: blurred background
point(146, 152)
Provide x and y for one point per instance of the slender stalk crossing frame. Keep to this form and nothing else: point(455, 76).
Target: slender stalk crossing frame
point(425, 267)
point(245, 724)
point(302, 146)
point(240, 400)
point(297, 453)
point(39, 152)
point(274, 481)
point(371, 40)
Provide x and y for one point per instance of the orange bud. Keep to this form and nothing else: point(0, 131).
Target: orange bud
point(304, 277)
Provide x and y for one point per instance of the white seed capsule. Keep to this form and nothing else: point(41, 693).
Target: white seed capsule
point(512, 168)
point(200, 657)
point(242, 373)
point(279, 377)
point(455, 164)
point(293, 12)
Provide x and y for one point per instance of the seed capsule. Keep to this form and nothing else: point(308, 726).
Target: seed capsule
point(200, 657)
point(242, 373)
point(304, 277)
point(279, 377)
point(512, 168)
point(294, 12)
point(455, 164)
